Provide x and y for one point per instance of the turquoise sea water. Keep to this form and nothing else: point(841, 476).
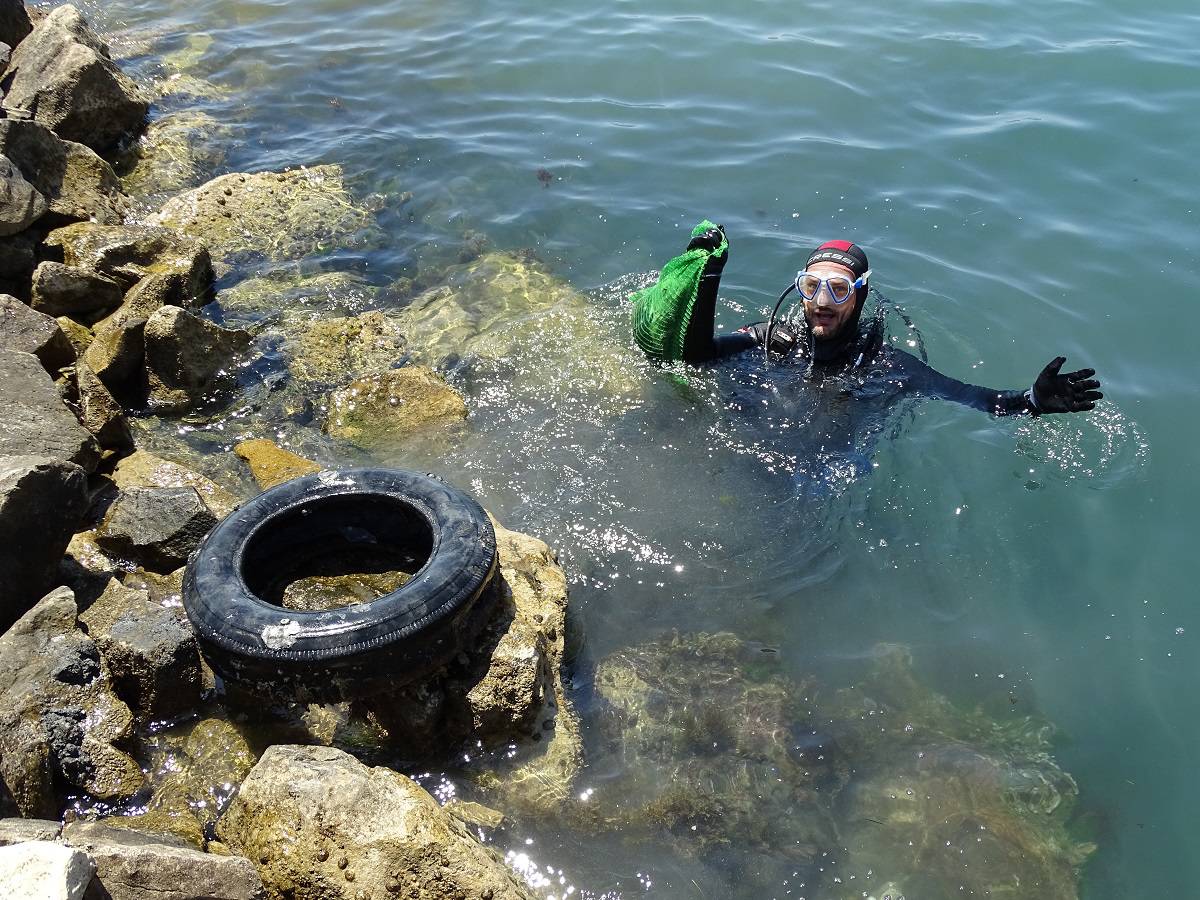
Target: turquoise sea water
point(1023, 179)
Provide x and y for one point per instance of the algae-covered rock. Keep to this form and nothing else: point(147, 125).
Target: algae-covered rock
point(130, 253)
point(331, 351)
point(176, 152)
point(60, 723)
point(716, 748)
point(321, 824)
point(196, 774)
point(271, 464)
point(275, 215)
point(377, 409)
point(526, 332)
point(99, 411)
point(302, 297)
point(83, 295)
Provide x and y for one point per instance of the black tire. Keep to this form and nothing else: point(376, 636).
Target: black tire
point(247, 559)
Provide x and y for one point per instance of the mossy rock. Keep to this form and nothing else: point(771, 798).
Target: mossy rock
point(276, 216)
point(174, 153)
point(329, 351)
point(271, 464)
point(379, 409)
point(304, 296)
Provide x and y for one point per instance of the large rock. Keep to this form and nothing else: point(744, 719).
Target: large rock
point(155, 527)
point(44, 870)
point(17, 831)
point(36, 421)
point(59, 720)
point(130, 253)
point(189, 360)
point(151, 652)
point(18, 258)
point(378, 409)
point(42, 501)
point(116, 355)
point(321, 824)
point(144, 469)
point(14, 22)
point(78, 185)
point(21, 204)
point(29, 331)
point(273, 215)
point(133, 866)
point(62, 74)
point(177, 152)
point(85, 296)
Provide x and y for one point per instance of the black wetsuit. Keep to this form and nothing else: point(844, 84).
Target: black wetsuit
point(859, 351)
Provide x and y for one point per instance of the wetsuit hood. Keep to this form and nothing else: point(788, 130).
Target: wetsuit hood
point(852, 256)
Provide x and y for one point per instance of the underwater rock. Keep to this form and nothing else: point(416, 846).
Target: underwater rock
point(61, 73)
point(151, 652)
point(44, 870)
point(133, 866)
point(130, 253)
point(301, 297)
point(42, 501)
point(189, 360)
point(175, 153)
point(332, 351)
point(203, 769)
point(99, 411)
point(885, 778)
point(84, 296)
point(380, 408)
point(78, 185)
point(35, 420)
point(21, 204)
point(321, 824)
point(14, 22)
point(28, 331)
point(278, 216)
point(509, 313)
point(59, 720)
point(143, 469)
point(156, 527)
point(270, 464)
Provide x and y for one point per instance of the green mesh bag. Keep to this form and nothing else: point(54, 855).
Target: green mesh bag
point(662, 311)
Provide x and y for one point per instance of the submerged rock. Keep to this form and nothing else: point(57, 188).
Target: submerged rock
point(718, 749)
point(377, 409)
point(278, 216)
point(321, 824)
point(270, 464)
point(28, 331)
point(175, 153)
point(331, 351)
point(199, 772)
point(300, 296)
point(61, 73)
point(60, 723)
point(42, 501)
point(189, 360)
point(77, 184)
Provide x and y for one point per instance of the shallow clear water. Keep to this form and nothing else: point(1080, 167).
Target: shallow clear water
point(1023, 179)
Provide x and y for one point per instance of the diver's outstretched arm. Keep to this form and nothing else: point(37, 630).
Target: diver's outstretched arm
point(1051, 393)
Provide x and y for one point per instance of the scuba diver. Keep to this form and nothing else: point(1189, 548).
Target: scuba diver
point(673, 320)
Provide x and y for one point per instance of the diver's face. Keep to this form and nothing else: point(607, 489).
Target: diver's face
point(826, 318)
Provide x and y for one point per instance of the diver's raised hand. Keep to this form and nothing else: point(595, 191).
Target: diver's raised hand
point(1057, 393)
point(710, 239)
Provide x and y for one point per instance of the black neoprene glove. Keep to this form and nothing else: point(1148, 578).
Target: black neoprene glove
point(711, 240)
point(1055, 393)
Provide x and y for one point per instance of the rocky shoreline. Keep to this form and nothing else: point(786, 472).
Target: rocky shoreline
point(134, 305)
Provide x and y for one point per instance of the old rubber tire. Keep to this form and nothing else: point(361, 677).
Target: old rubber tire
point(353, 650)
